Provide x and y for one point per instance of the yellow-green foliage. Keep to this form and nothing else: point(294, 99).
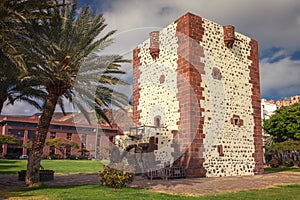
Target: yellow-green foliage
point(116, 175)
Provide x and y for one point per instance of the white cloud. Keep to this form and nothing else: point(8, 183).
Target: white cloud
point(271, 22)
point(280, 78)
point(19, 108)
point(278, 55)
point(23, 108)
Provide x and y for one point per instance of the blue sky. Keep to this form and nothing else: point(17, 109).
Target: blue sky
point(275, 24)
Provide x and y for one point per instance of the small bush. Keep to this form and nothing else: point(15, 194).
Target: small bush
point(116, 175)
point(274, 163)
point(289, 164)
point(72, 157)
point(55, 156)
point(82, 157)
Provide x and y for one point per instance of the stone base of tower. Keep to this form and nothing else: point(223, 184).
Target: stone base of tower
point(193, 166)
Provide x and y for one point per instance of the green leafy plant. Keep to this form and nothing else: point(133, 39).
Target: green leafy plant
point(284, 124)
point(7, 139)
point(71, 157)
point(117, 175)
point(289, 163)
point(55, 156)
point(61, 144)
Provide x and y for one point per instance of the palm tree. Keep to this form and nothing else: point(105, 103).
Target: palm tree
point(71, 39)
point(14, 25)
point(12, 90)
point(17, 45)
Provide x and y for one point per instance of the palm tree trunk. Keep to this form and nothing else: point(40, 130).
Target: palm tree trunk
point(35, 156)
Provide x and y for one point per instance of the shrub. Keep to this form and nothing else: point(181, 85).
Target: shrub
point(289, 164)
point(116, 175)
point(72, 157)
point(55, 156)
point(274, 163)
point(82, 157)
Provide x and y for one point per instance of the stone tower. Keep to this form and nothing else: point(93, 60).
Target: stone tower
point(201, 80)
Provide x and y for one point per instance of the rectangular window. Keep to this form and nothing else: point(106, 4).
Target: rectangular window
point(16, 133)
point(220, 150)
point(31, 134)
point(52, 150)
point(68, 151)
point(83, 140)
point(52, 135)
point(69, 136)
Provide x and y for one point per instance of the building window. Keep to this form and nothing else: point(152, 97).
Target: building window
point(19, 134)
point(69, 136)
point(83, 141)
point(237, 121)
point(31, 134)
point(216, 73)
point(157, 121)
point(52, 150)
point(68, 151)
point(220, 150)
point(52, 135)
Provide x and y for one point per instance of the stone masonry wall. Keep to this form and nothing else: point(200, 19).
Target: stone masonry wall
point(229, 122)
point(204, 90)
point(157, 83)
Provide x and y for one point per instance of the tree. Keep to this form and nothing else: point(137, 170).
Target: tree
point(27, 145)
point(15, 28)
point(284, 124)
point(18, 44)
point(71, 39)
point(290, 148)
point(61, 144)
point(7, 139)
point(12, 90)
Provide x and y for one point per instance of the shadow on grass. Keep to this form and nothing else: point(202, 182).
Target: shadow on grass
point(22, 192)
point(9, 164)
point(81, 191)
point(8, 161)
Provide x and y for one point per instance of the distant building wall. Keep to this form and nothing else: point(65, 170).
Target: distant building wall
point(23, 128)
point(288, 101)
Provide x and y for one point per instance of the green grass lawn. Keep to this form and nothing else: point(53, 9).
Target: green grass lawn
point(59, 166)
point(282, 169)
point(78, 166)
point(288, 192)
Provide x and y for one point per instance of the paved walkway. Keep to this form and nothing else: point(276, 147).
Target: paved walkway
point(195, 186)
point(198, 186)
